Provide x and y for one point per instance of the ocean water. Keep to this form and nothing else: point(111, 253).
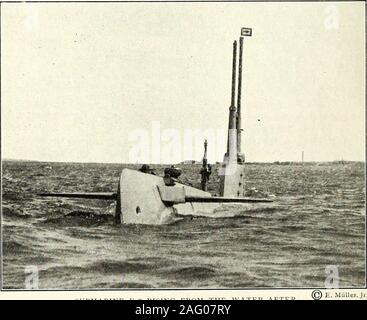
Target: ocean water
point(318, 221)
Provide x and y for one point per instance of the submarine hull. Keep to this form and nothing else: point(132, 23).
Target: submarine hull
point(145, 199)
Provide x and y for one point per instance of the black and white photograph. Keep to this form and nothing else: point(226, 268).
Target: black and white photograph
point(183, 145)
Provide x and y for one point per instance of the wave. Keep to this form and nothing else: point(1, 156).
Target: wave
point(12, 213)
point(79, 218)
point(134, 265)
point(12, 246)
point(13, 196)
point(123, 285)
point(190, 272)
point(152, 265)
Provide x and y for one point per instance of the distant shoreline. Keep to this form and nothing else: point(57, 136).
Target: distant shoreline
point(183, 164)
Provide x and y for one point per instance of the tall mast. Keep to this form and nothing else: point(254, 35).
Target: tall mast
point(232, 108)
point(234, 74)
point(238, 122)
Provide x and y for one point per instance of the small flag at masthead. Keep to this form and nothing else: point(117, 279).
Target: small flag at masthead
point(246, 32)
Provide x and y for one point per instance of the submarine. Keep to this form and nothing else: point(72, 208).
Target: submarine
point(145, 198)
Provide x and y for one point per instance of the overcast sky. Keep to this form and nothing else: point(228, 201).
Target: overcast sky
point(80, 81)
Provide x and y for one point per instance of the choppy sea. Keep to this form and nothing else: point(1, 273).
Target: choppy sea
point(318, 221)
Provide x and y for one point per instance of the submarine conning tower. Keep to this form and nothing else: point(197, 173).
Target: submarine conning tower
point(232, 171)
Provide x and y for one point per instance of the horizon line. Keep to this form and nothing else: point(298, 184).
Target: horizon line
point(181, 162)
